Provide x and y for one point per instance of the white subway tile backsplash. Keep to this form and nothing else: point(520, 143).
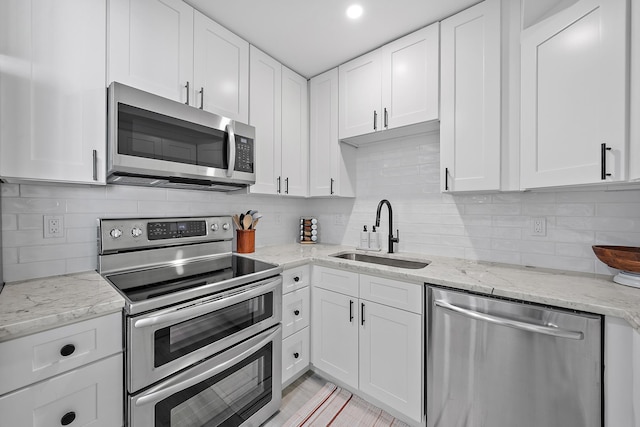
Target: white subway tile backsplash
point(9, 222)
point(30, 254)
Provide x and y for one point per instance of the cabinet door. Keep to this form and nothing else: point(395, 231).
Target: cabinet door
point(265, 113)
point(360, 95)
point(295, 354)
point(88, 396)
point(220, 69)
point(295, 311)
point(470, 111)
point(334, 335)
point(390, 357)
point(295, 134)
point(331, 165)
point(151, 46)
point(52, 125)
point(410, 84)
point(574, 88)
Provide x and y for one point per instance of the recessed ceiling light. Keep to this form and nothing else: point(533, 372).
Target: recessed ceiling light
point(354, 11)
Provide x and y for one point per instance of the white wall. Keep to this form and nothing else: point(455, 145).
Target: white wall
point(490, 227)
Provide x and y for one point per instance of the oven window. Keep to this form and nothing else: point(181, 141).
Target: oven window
point(227, 399)
point(183, 338)
point(143, 133)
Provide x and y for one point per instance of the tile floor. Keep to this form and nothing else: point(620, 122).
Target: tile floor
point(294, 396)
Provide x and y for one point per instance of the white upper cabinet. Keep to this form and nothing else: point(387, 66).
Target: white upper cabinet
point(331, 164)
point(53, 103)
point(470, 138)
point(151, 47)
point(220, 70)
point(295, 134)
point(265, 114)
point(279, 111)
point(360, 95)
point(167, 48)
point(394, 86)
point(574, 91)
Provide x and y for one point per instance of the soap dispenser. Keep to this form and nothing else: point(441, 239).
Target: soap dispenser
point(374, 239)
point(364, 238)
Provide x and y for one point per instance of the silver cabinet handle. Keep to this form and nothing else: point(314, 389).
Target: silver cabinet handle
point(530, 327)
point(201, 98)
point(331, 187)
point(193, 380)
point(386, 118)
point(232, 148)
point(446, 179)
point(95, 165)
point(217, 303)
point(278, 183)
point(286, 185)
point(375, 120)
point(187, 86)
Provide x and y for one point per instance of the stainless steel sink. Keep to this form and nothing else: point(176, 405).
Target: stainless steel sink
point(376, 259)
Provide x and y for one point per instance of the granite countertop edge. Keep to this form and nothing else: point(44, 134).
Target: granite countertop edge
point(32, 306)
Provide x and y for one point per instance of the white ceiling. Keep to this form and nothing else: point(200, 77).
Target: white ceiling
point(312, 36)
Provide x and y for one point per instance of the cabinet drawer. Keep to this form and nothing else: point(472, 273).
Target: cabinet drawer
point(89, 396)
point(295, 278)
point(331, 279)
point(39, 356)
point(403, 295)
point(295, 311)
point(295, 354)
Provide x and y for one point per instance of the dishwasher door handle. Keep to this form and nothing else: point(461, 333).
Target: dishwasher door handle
point(539, 329)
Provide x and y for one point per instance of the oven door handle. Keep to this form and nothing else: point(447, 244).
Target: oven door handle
point(161, 394)
point(221, 301)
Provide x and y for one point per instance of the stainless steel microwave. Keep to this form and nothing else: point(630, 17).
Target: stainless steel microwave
point(158, 142)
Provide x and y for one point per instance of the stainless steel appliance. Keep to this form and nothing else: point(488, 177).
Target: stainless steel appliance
point(154, 141)
point(500, 363)
point(202, 325)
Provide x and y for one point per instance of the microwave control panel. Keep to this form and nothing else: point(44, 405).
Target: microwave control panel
point(244, 154)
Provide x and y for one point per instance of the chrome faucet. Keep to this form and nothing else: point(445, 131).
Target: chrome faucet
point(392, 239)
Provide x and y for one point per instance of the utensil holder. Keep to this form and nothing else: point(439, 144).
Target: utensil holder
point(245, 241)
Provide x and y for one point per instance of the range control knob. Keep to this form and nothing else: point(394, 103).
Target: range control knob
point(214, 227)
point(225, 226)
point(136, 232)
point(115, 233)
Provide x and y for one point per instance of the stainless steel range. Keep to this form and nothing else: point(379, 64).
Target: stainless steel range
point(202, 326)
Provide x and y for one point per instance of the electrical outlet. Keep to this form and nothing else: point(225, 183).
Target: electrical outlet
point(539, 226)
point(53, 226)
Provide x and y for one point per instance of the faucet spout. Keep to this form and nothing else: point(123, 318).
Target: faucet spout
point(392, 239)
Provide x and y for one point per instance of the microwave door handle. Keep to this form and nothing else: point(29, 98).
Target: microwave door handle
point(222, 301)
point(166, 392)
point(231, 152)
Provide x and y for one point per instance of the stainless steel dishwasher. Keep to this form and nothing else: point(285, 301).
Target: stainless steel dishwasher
point(501, 363)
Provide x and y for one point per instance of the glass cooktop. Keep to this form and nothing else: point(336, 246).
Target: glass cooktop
point(150, 283)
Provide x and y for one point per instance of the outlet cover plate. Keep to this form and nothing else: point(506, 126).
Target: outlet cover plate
point(538, 226)
point(53, 226)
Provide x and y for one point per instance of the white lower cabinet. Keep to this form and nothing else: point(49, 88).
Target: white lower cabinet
point(71, 375)
point(621, 374)
point(296, 316)
point(88, 396)
point(367, 342)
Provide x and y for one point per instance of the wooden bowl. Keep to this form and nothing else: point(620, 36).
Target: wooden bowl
point(626, 258)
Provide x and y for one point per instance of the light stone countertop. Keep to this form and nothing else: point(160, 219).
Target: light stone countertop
point(32, 306)
point(576, 291)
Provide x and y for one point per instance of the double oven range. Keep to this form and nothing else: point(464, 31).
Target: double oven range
point(202, 325)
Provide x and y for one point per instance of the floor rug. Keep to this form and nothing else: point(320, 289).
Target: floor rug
point(336, 407)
